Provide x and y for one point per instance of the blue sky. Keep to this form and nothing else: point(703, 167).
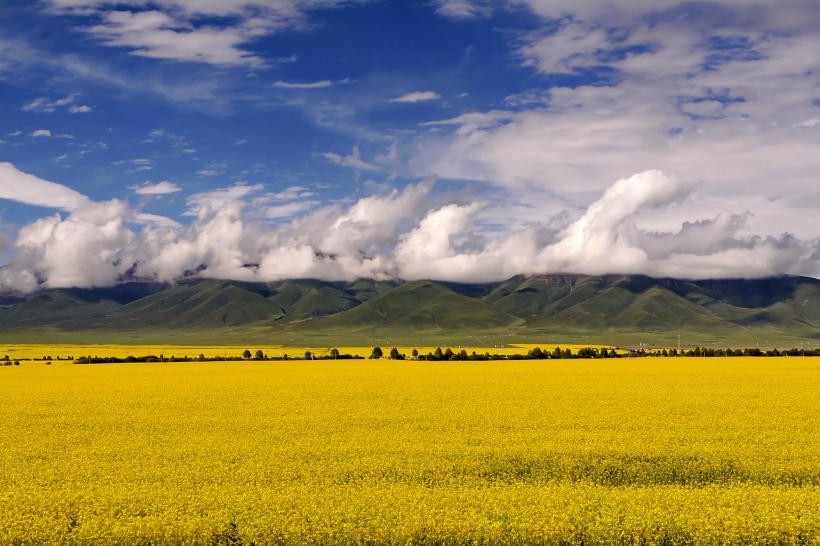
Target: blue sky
point(457, 139)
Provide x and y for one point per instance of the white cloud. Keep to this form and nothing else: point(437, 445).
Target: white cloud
point(41, 133)
point(403, 234)
point(292, 192)
point(160, 188)
point(158, 35)
point(155, 220)
point(417, 96)
point(183, 30)
point(214, 168)
point(200, 203)
point(428, 252)
point(574, 46)
point(672, 97)
point(44, 105)
point(289, 210)
point(31, 190)
point(321, 84)
point(462, 9)
point(354, 160)
point(84, 250)
point(138, 165)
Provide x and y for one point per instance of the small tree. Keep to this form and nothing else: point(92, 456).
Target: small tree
point(259, 354)
point(394, 353)
point(415, 353)
point(246, 354)
point(308, 355)
point(334, 353)
point(377, 353)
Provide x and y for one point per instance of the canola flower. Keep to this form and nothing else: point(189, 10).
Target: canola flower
point(626, 451)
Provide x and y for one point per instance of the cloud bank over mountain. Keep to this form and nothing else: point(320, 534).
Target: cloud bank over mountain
point(402, 234)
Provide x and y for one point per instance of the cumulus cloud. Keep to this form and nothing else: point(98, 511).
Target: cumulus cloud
point(83, 250)
point(31, 190)
point(596, 242)
point(41, 133)
point(407, 233)
point(160, 188)
point(417, 96)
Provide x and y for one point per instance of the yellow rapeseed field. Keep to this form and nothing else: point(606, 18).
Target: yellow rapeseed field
point(625, 451)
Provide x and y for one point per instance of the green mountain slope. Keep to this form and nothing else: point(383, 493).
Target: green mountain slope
point(205, 304)
point(68, 305)
point(418, 306)
point(364, 309)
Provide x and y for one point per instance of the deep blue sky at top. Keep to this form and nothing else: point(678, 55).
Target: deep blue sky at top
point(235, 118)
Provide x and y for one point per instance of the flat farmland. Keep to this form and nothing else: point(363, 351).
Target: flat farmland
point(629, 451)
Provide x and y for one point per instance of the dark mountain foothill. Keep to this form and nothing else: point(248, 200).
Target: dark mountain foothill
point(536, 306)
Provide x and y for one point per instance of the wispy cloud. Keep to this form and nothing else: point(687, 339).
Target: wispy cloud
point(186, 31)
point(213, 200)
point(463, 9)
point(353, 160)
point(291, 193)
point(321, 84)
point(158, 35)
point(139, 164)
point(160, 188)
point(417, 96)
point(213, 168)
point(31, 190)
point(44, 105)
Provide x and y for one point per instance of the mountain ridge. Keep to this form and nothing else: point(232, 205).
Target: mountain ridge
point(366, 308)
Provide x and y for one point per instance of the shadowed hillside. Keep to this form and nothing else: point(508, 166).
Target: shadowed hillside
point(609, 305)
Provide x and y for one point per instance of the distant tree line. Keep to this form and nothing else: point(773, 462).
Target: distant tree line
point(590, 352)
point(534, 354)
point(710, 352)
point(333, 354)
point(449, 355)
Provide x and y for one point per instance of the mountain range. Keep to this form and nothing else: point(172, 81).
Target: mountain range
point(601, 307)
